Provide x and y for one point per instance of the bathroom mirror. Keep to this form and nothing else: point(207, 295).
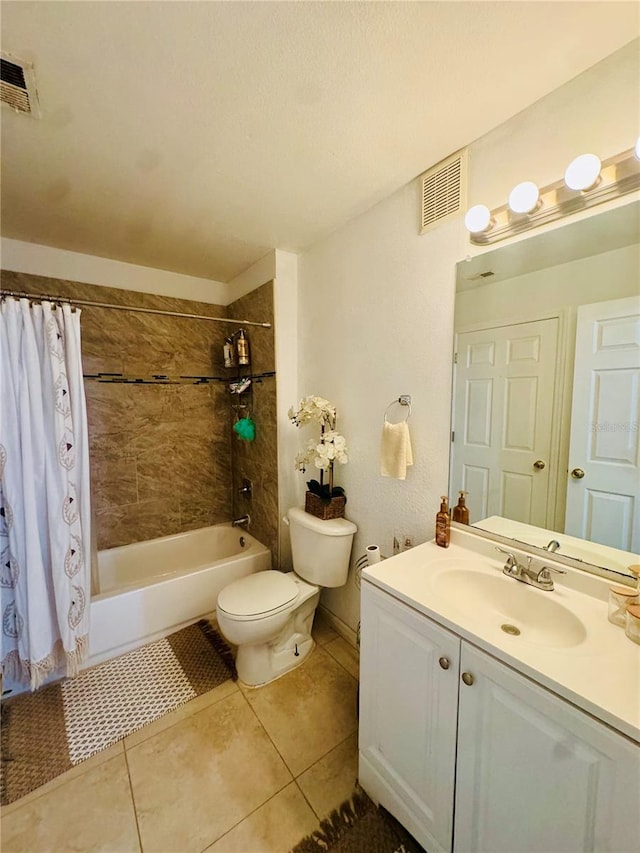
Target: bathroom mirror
point(546, 396)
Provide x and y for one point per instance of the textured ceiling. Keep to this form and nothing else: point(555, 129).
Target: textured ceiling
point(196, 136)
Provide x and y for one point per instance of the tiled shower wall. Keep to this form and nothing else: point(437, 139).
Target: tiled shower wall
point(257, 460)
point(161, 455)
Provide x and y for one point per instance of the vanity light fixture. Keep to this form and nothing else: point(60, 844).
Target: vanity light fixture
point(583, 173)
point(524, 198)
point(587, 182)
point(477, 219)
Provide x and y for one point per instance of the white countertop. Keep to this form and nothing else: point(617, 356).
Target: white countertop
point(600, 674)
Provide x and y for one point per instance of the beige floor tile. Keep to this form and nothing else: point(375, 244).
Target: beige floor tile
point(275, 827)
point(188, 709)
point(308, 711)
point(78, 770)
point(345, 654)
point(196, 780)
point(332, 780)
point(322, 631)
point(92, 812)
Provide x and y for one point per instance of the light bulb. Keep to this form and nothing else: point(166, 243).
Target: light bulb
point(636, 149)
point(583, 172)
point(477, 218)
point(524, 197)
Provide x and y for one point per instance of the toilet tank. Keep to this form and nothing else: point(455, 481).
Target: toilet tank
point(320, 549)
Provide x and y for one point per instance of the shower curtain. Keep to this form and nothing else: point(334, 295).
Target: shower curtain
point(45, 531)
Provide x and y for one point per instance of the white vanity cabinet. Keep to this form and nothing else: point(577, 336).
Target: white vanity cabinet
point(408, 708)
point(527, 770)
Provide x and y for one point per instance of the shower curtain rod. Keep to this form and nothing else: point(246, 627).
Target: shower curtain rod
point(43, 297)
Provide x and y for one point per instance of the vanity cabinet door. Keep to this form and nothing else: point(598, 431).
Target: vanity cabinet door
point(408, 708)
point(534, 773)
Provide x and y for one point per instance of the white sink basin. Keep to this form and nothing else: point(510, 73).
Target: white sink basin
point(483, 593)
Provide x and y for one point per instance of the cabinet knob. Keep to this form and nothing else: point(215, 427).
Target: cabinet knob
point(444, 663)
point(468, 678)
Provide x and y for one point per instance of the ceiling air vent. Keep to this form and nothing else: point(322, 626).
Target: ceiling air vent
point(18, 85)
point(444, 191)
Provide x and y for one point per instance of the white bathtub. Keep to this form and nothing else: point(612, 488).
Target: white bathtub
point(149, 589)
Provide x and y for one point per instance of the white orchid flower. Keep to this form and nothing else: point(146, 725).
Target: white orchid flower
point(332, 446)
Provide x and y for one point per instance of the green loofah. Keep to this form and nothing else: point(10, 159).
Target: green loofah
point(245, 428)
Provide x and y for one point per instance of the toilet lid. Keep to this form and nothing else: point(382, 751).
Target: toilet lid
point(258, 594)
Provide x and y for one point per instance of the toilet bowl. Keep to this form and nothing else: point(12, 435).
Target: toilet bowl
point(269, 615)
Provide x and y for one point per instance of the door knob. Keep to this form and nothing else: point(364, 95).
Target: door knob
point(577, 473)
point(444, 663)
point(539, 464)
point(468, 678)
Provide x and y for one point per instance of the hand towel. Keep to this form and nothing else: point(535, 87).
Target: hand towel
point(395, 450)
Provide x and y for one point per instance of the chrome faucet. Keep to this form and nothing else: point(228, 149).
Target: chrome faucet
point(243, 521)
point(552, 546)
point(538, 577)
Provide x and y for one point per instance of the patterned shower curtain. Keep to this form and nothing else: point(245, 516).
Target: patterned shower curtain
point(44, 492)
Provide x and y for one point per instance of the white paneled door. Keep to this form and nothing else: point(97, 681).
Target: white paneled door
point(503, 415)
point(603, 491)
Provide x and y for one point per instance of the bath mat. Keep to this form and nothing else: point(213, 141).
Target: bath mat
point(47, 732)
point(358, 826)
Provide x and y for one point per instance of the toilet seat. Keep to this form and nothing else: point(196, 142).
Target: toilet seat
point(258, 596)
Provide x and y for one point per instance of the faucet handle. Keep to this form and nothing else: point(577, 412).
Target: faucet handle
point(504, 551)
point(512, 560)
point(544, 576)
point(552, 569)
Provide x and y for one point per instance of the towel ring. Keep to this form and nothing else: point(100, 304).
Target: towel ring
point(403, 400)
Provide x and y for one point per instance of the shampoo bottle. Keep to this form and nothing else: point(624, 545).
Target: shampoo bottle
point(243, 348)
point(460, 512)
point(229, 353)
point(443, 524)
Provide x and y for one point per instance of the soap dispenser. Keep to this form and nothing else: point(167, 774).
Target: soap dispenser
point(443, 524)
point(460, 512)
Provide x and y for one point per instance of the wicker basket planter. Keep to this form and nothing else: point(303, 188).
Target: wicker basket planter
point(314, 505)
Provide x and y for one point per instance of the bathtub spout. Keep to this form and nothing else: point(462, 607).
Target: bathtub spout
point(243, 521)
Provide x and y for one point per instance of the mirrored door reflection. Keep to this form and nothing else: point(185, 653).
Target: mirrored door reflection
point(546, 398)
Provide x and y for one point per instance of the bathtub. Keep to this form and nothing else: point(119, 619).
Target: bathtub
point(150, 589)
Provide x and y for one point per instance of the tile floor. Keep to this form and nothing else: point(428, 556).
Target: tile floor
point(234, 771)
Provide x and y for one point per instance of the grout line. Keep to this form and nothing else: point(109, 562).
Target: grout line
point(247, 816)
point(207, 707)
point(181, 720)
point(133, 800)
point(14, 805)
point(306, 799)
point(324, 754)
point(335, 660)
point(263, 727)
point(289, 781)
point(342, 742)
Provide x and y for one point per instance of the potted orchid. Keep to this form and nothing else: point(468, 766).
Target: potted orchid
point(323, 499)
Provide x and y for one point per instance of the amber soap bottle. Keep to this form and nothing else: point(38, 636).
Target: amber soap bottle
point(443, 524)
point(460, 512)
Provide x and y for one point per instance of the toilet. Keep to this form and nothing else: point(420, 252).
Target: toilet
point(269, 615)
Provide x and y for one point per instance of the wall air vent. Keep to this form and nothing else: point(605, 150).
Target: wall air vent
point(18, 85)
point(444, 191)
